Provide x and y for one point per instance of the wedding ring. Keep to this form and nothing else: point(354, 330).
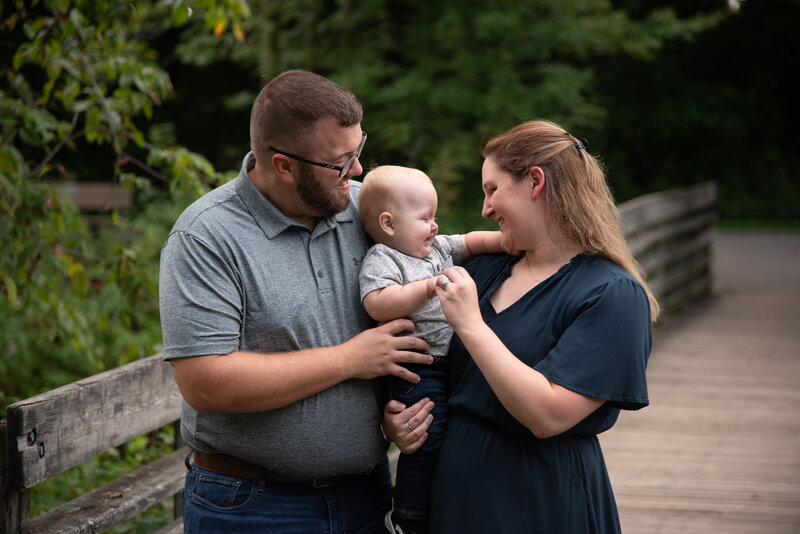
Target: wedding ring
point(408, 427)
point(444, 282)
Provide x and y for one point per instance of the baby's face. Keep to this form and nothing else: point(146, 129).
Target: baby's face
point(415, 219)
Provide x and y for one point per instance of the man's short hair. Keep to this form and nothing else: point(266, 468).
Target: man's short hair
point(288, 107)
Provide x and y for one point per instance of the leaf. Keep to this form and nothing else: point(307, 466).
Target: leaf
point(238, 33)
point(219, 27)
point(11, 289)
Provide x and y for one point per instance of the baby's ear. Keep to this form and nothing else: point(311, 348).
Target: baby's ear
point(386, 222)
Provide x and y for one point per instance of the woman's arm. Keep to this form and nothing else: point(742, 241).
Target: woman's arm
point(545, 408)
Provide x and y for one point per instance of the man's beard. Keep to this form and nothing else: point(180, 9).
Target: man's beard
point(323, 203)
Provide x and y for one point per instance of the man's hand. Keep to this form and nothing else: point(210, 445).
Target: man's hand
point(377, 351)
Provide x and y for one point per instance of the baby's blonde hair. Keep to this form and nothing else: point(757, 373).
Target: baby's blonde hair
point(379, 193)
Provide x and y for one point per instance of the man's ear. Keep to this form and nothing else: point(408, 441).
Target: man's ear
point(283, 167)
point(537, 180)
point(386, 222)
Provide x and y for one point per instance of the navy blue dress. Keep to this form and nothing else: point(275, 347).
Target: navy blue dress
point(586, 328)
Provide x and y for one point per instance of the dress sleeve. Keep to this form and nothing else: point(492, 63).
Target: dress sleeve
point(603, 352)
point(378, 270)
point(200, 299)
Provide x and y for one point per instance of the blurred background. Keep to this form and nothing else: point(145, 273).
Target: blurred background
point(115, 115)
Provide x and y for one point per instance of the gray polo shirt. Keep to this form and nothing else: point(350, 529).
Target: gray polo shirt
point(384, 266)
point(237, 274)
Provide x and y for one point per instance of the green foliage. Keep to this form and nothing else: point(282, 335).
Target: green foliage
point(75, 301)
point(719, 107)
point(438, 78)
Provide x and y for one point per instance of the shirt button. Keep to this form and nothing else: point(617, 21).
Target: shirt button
point(320, 274)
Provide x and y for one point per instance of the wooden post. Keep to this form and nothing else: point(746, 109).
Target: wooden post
point(177, 500)
point(15, 504)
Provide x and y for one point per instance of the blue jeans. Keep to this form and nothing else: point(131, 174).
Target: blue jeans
point(216, 503)
point(414, 471)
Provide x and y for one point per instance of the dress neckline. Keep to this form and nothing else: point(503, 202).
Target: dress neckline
point(543, 285)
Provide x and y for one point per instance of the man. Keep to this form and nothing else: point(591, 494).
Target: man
point(268, 341)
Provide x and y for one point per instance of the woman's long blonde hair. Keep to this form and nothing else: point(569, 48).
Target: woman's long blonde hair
point(577, 196)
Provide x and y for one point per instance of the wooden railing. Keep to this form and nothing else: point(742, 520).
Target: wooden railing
point(49, 433)
point(669, 233)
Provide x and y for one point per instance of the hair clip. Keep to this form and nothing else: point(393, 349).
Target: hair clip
point(581, 143)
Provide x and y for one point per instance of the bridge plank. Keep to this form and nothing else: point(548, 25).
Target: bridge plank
point(717, 451)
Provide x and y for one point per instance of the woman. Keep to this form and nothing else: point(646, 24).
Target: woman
point(549, 346)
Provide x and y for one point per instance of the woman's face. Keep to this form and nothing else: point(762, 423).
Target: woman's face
point(508, 202)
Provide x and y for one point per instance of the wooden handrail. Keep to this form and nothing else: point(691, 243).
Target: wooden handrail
point(669, 233)
point(47, 434)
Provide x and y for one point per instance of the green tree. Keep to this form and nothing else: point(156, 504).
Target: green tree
point(721, 107)
point(437, 78)
point(82, 82)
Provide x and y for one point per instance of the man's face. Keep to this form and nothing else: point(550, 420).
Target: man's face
point(320, 189)
point(318, 195)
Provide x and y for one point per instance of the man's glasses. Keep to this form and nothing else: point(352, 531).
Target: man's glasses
point(343, 169)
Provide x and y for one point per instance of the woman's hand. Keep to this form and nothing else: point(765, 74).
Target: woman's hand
point(407, 427)
point(459, 298)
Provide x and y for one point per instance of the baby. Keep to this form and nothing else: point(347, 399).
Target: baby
point(398, 279)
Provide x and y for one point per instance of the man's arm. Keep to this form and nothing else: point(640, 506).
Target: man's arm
point(250, 382)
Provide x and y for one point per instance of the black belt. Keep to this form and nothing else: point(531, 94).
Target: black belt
point(230, 465)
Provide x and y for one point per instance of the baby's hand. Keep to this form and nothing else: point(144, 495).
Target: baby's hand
point(431, 286)
point(508, 250)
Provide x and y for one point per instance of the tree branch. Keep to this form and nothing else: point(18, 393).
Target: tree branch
point(56, 149)
point(99, 93)
point(127, 158)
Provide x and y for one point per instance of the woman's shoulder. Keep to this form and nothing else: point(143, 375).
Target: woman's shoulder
point(594, 276)
point(488, 262)
point(485, 268)
point(599, 269)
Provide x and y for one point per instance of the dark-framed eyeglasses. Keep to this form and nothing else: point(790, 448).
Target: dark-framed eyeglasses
point(343, 169)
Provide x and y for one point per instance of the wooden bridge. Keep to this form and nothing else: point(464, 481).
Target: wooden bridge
point(718, 450)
